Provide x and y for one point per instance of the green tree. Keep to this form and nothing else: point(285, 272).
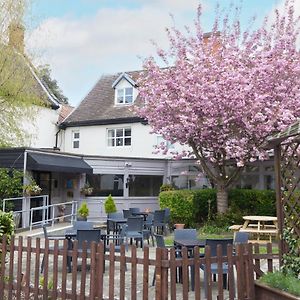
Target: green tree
point(44, 72)
point(18, 87)
point(109, 205)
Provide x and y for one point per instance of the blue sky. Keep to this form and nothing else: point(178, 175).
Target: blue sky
point(83, 39)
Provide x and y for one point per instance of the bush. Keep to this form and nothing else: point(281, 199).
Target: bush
point(181, 206)
point(7, 225)
point(200, 206)
point(166, 187)
point(109, 205)
point(83, 211)
point(287, 283)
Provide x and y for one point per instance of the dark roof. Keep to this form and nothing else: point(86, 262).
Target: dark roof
point(98, 107)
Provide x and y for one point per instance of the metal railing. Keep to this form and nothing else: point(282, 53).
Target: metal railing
point(48, 211)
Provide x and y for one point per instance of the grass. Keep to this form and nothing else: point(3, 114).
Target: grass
point(283, 282)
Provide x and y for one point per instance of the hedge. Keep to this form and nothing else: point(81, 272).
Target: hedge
point(197, 206)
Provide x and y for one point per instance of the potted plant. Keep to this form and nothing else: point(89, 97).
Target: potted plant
point(32, 188)
point(61, 213)
point(109, 205)
point(86, 190)
point(83, 212)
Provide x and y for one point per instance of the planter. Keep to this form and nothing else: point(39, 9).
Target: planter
point(264, 292)
point(179, 226)
point(80, 218)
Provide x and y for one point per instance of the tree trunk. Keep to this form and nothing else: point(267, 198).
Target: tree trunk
point(222, 199)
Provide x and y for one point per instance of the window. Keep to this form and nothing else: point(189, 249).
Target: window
point(119, 137)
point(75, 137)
point(144, 185)
point(105, 184)
point(125, 95)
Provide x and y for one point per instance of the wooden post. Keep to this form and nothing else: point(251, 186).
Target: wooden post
point(279, 208)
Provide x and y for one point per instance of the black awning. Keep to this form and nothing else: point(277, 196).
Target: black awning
point(57, 163)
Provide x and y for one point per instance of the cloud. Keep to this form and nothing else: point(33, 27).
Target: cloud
point(108, 41)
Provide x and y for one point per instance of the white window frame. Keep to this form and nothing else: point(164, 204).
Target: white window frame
point(116, 139)
point(123, 92)
point(75, 139)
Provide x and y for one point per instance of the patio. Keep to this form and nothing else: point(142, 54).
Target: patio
point(117, 283)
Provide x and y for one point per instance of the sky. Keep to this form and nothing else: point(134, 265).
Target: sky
point(84, 39)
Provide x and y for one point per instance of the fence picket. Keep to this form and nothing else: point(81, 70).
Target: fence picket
point(3, 257)
point(37, 268)
point(133, 272)
point(74, 267)
point(93, 272)
point(19, 268)
point(100, 269)
point(158, 274)
point(220, 272)
point(64, 271)
point(146, 273)
point(207, 273)
point(185, 273)
point(230, 278)
point(55, 270)
point(197, 274)
point(250, 275)
point(46, 269)
point(111, 271)
point(257, 261)
point(11, 267)
point(173, 273)
point(83, 270)
point(164, 274)
point(27, 271)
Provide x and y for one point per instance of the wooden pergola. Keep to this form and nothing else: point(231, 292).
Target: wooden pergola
point(286, 147)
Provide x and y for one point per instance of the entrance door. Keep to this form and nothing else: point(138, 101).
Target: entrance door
point(43, 179)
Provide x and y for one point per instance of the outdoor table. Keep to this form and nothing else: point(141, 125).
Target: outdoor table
point(260, 225)
point(190, 244)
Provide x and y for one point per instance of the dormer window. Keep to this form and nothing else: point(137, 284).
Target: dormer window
point(125, 95)
point(125, 90)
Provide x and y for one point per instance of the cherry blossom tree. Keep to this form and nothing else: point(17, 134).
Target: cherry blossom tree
point(224, 93)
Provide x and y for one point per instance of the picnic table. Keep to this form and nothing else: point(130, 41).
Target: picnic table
point(260, 226)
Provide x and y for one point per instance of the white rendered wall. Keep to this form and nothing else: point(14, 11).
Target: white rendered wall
point(42, 127)
point(93, 141)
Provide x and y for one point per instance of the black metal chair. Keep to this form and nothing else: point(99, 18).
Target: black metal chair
point(126, 213)
point(111, 225)
point(241, 238)
point(148, 228)
point(134, 210)
point(159, 221)
point(134, 229)
point(213, 243)
point(60, 247)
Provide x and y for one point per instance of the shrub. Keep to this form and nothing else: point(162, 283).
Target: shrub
point(7, 225)
point(181, 206)
point(83, 211)
point(166, 187)
point(200, 206)
point(109, 205)
point(287, 283)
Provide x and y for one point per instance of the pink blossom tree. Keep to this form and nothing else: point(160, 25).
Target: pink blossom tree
point(224, 93)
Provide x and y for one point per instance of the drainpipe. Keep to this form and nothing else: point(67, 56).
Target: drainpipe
point(56, 139)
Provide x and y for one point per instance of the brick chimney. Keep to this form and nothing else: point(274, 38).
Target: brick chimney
point(16, 37)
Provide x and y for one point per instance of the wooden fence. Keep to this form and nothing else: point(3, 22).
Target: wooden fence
point(97, 274)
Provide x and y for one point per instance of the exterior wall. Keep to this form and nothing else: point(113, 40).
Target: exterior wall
point(93, 141)
point(42, 128)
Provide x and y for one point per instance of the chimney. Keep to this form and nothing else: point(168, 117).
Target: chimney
point(16, 37)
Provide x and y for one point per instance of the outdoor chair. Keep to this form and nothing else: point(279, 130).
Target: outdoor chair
point(159, 221)
point(241, 238)
point(160, 243)
point(148, 231)
point(111, 225)
point(60, 247)
point(89, 236)
point(213, 243)
point(167, 216)
point(126, 213)
point(134, 229)
point(134, 210)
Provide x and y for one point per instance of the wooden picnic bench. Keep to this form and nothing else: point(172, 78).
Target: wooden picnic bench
point(259, 226)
